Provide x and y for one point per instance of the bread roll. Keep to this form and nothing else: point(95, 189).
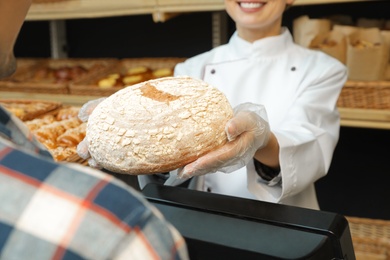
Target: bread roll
point(158, 125)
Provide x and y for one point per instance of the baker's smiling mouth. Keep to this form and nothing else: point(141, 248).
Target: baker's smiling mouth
point(250, 4)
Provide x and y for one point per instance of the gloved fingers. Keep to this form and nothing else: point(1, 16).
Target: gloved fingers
point(94, 164)
point(228, 154)
point(241, 122)
point(256, 108)
point(82, 149)
point(173, 179)
point(248, 121)
point(87, 109)
point(247, 132)
point(234, 165)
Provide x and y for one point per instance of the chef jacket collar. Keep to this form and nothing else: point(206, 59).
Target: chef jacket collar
point(267, 47)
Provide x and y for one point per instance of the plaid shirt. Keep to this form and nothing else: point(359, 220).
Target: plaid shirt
point(50, 210)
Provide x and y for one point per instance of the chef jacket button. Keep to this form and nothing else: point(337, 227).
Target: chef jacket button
point(212, 71)
point(293, 69)
point(208, 189)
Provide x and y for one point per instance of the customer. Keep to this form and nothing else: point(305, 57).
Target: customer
point(67, 211)
point(297, 87)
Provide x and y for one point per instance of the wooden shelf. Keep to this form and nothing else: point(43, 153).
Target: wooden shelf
point(72, 100)
point(315, 2)
point(364, 118)
point(76, 9)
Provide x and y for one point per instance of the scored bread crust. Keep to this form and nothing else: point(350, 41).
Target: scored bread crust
point(158, 125)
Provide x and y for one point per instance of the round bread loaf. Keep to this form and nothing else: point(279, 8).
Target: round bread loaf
point(158, 125)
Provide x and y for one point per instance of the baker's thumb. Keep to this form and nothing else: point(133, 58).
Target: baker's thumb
point(240, 123)
point(87, 109)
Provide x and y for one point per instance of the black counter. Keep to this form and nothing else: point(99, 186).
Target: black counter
point(223, 227)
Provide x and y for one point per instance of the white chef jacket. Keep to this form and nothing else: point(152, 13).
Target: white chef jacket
point(299, 89)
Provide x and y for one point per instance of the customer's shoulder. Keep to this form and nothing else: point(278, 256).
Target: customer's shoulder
point(69, 181)
point(108, 185)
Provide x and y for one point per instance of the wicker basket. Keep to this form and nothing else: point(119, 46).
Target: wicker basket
point(89, 86)
point(22, 66)
point(27, 80)
point(26, 109)
point(47, 1)
point(371, 238)
point(365, 94)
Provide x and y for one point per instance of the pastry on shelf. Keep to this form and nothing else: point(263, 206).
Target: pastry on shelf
point(59, 75)
point(53, 76)
point(129, 77)
point(27, 109)
point(56, 126)
point(126, 73)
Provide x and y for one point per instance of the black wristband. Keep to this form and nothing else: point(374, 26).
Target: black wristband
point(265, 172)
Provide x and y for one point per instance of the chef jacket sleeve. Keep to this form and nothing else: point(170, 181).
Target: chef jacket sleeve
point(307, 136)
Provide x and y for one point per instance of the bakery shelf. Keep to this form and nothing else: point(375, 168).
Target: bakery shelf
point(161, 66)
point(350, 117)
point(160, 9)
point(365, 118)
point(167, 8)
point(365, 104)
point(218, 4)
point(73, 9)
point(72, 100)
point(56, 11)
point(313, 2)
point(163, 10)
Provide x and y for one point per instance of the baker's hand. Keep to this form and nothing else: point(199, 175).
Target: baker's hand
point(247, 132)
point(82, 148)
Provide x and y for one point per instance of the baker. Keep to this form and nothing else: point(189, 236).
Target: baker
point(285, 127)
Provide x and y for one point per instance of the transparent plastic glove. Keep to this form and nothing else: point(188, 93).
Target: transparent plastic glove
point(247, 132)
point(82, 148)
point(87, 109)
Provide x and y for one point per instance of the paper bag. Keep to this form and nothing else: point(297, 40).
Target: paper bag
point(386, 26)
point(345, 29)
point(367, 55)
point(386, 37)
point(387, 72)
point(332, 43)
point(305, 29)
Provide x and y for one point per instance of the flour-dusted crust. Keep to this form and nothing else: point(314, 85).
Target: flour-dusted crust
point(158, 125)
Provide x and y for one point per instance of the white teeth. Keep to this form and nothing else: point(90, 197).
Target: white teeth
point(251, 5)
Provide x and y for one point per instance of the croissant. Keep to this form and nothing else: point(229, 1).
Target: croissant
point(39, 122)
point(62, 153)
point(52, 131)
point(73, 136)
point(67, 113)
